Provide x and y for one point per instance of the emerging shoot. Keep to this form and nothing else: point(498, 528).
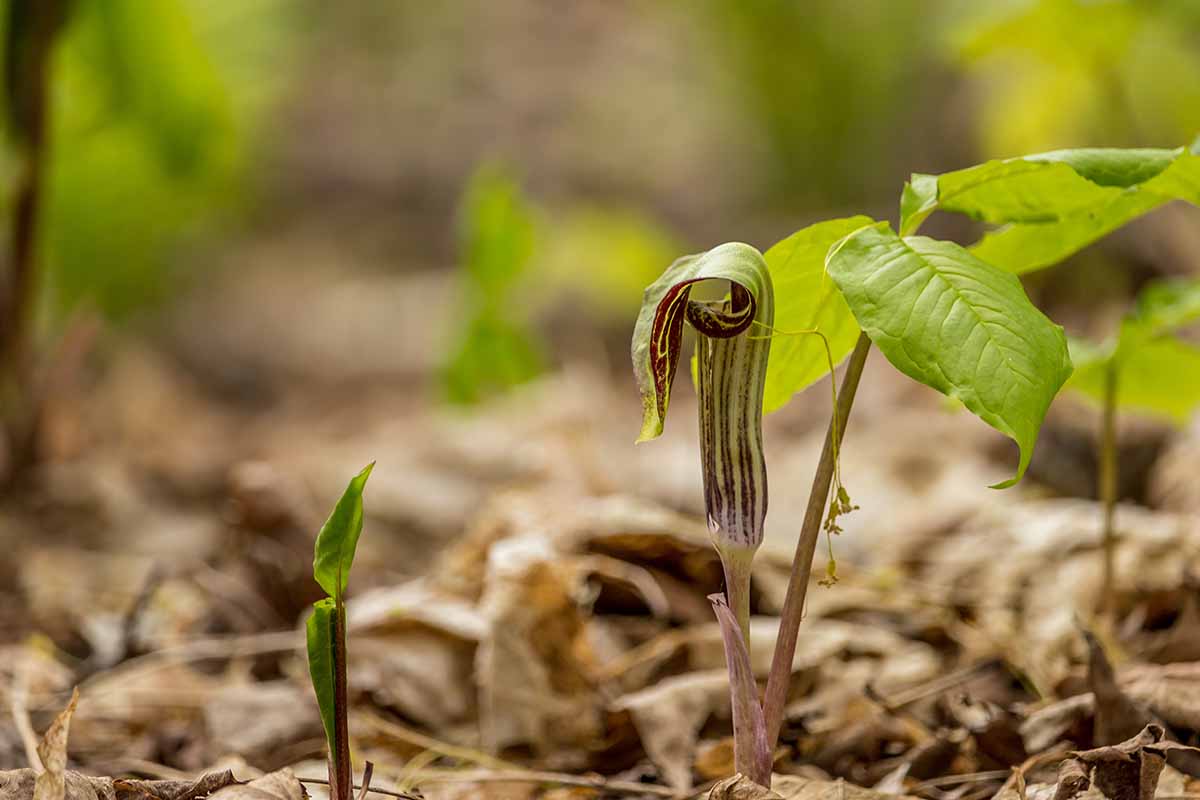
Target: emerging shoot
point(326, 630)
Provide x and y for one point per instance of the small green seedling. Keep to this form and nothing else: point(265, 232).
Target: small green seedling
point(326, 630)
point(1144, 367)
point(953, 318)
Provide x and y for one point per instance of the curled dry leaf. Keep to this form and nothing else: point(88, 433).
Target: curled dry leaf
point(1126, 771)
point(51, 784)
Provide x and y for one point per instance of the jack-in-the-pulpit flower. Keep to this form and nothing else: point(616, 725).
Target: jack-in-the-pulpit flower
point(733, 342)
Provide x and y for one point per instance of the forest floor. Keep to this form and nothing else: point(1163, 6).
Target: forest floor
point(528, 614)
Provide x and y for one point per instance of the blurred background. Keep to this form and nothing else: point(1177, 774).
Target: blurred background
point(279, 239)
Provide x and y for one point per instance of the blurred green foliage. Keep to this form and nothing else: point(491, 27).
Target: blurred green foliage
point(827, 86)
point(147, 142)
point(1156, 371)
point(520, 260)
point(1066, 73)
point(496, 349)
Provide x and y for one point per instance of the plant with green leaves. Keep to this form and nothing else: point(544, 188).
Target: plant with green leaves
point(953, 318)
point(1144, 367)
point(326, 631)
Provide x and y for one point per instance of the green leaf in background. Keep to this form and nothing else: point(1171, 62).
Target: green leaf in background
point(334, 552)
point(1079, 71)
point(1053, 204)
point(1160, 377)
point(658, 334)
point(956, 324)
point(145, 147)
point(496, 349)
point(1156, 373)
point(319, 633)
point(497, 233)
point(806, 298)
point(1166, 306)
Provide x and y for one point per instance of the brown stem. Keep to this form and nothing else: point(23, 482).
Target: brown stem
point(1108, 487)
point(793, 603)
point(340, 757)
point(32, 64)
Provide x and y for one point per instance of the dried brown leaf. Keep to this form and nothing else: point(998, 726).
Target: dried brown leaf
point(51, 784)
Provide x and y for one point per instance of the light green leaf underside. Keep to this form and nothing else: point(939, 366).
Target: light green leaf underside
point(334, 552)
point(1161, 378)
point(806, 298)
point(956, 324)
point(320, 638)
point(1053, 204)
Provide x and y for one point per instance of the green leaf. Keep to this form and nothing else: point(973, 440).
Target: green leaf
point(1055, 203)
point(806, 299)
point(339, 537)
point(1165, 306)
point(320, 635)
point(497, 233)
point(496, 348)
point(1156, 373)
point(1160, 377)
point(956, 324)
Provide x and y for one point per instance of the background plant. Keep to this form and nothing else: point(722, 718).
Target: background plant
point(1144, 367)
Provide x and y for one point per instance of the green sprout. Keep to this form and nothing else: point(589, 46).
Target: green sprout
point(326, 630)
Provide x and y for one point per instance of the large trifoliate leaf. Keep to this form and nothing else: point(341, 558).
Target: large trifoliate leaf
point(806, 299)
point(1155, 372)
point(334, 552)
point(956, 324)
point(1053, 204)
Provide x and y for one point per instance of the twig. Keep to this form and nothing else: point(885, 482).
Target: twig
point(1017, 778)
point(434, 745)
point(368, 771)
point(559, 778)
point(793, 603)
point(936, 686)
point(365, 787)
point(957, 780)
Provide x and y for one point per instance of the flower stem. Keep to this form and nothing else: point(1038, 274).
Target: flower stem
point(736, 562)
point(793, 604)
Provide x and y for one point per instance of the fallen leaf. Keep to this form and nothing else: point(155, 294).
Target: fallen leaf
point(1126, 771)
point(278, 785)
point(51, 784)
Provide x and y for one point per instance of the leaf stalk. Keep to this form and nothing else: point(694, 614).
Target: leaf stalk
point(793, 604)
